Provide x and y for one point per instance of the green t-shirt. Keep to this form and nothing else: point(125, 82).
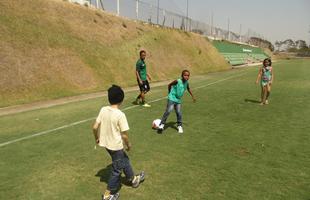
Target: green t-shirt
point(141, 68)
point(177, 91)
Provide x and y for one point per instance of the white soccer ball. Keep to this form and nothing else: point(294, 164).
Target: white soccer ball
point(156, 123)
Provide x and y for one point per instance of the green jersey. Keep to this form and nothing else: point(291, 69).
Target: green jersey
point(177, 91)
point(141, 68)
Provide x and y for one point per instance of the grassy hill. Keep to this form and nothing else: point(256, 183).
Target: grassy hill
point(52, 48)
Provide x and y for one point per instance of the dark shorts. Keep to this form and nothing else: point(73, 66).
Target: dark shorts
point(144, 87)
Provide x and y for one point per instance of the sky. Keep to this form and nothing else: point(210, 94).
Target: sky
point(273, 19)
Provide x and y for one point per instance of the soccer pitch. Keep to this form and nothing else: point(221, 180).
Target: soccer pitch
point(231, 148)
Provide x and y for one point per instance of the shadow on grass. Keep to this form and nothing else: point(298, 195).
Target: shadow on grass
point(251, 101)
point(135, 103)
point(105, 173)
point(169, 125)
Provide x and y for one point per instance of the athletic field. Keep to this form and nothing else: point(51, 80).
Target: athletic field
point(232, 148)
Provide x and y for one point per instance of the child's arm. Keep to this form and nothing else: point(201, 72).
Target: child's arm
point(190, 92)
point(126, 140)
point(171, 84)
point(258, 76)
point(149, 77)
point(272, 76)
point(95, 131)
point(138, 77)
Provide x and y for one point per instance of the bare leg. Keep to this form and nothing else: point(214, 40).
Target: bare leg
point(142, 95)
point(268, 92)
point(264, 95)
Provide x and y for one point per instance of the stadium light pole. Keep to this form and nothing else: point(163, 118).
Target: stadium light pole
point(186, 15)
point(117, 7)
point(228, 36)
point(240, 32)
point(212, 27)
point(309, 33)
point(137, 9)
point(157, 12)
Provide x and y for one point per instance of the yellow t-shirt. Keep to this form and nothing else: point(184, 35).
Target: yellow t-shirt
point(112, 122)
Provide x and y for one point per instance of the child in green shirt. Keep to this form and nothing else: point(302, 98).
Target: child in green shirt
point(176, 90)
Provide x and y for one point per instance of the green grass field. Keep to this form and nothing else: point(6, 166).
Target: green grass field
point(232, 148)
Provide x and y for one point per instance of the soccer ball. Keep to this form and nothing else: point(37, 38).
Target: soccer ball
point(156, 123)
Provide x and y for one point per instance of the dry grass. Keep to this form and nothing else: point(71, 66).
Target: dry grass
point(52, 48)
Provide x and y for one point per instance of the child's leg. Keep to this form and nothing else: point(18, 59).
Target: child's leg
point(127, 168)
point(114, 180)
point(134, 180)
point(144, 89)
point(264, 94)
point(268, 91)
point(142, 95)
point(178, 113)
point(169, 108)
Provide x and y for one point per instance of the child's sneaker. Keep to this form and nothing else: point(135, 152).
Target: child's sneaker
point(111, 197)
point(180, 129)
point(138, 179)
point(161, 127)
point(146, 105)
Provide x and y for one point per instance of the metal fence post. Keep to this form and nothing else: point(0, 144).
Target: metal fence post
point(164, 20)
point(117, 8)
point(137, 9)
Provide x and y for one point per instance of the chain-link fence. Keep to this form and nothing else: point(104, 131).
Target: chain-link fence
point(146, 12)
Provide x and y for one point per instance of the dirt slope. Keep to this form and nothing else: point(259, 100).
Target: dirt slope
point(52, 48)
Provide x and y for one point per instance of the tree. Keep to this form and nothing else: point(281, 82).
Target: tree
point(289, 44)
point(261, 43)
point(278, 44)
point(301, 44)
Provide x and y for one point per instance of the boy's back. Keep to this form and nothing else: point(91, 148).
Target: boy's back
point(112, 122)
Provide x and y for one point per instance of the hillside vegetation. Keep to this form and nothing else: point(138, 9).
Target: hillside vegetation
point(52, 48)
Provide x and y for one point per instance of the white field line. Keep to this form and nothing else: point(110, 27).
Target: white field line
point(89, 119)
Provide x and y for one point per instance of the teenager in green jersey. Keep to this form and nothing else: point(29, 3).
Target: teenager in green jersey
point(143, 79)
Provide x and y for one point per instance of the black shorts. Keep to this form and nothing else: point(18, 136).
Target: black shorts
point(144, 87)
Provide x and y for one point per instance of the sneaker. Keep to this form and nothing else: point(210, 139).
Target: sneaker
point(146, 105)
point(161, 127)
point(138, 179)
point(111, 197)
point(180, 129)
point(266, 102)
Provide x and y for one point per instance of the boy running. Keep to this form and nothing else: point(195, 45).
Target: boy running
point(142, 79)
point(176, 90)
point(110, 131)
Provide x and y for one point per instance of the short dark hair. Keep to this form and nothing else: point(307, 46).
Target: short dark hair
point(183, 72)
point(115, 95)
point(270, 62)
point(142, 51)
